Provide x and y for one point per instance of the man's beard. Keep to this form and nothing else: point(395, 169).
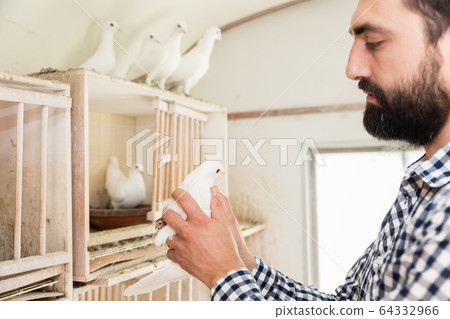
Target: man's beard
point(414, 113)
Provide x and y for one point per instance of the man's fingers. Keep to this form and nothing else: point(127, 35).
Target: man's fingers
point(171, 255)
point(173, 220)
point(226, 206)
point(188, 204)
point(225, 203)
point(170, 242)
point(216, 207)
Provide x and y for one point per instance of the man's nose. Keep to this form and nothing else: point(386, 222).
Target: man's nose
point(357, 66)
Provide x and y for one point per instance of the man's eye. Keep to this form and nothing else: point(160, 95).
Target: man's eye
point(373, 45)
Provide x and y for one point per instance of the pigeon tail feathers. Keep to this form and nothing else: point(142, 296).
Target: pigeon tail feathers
point(157, 279)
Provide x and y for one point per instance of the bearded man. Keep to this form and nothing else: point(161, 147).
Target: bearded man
point(401, 59)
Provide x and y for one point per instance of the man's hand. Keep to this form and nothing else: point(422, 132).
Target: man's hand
point(203, 246)
point(248, 259)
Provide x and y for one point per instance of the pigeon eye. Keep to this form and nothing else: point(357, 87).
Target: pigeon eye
point(179, 26)
point(111, 24)
point(218, 171)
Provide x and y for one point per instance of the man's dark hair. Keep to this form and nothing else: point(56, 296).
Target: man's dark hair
point(436, 14)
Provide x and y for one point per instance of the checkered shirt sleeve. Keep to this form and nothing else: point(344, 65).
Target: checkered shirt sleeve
point(263, 283)
point(409, 260)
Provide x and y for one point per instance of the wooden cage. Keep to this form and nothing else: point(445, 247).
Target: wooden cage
point(35, 189)
point(136, 123)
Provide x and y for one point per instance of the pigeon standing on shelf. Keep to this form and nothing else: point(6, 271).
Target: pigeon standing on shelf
point(104, 58)
point(151, 56)
point(172, 58)
point(198, 184)
point(195, 63)
point(125, 192)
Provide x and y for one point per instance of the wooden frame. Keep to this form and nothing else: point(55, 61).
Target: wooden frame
point(41, 263)
point(94, 92)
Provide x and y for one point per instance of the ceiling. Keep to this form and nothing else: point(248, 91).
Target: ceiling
point(63, 33)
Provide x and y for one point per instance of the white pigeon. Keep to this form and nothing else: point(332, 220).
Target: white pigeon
point(104, 58)
point(172, 58)
point(198, 184)
point(124, 192)
point(195, 63)
point(152, 54)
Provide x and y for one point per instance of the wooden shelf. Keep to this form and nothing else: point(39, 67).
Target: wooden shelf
point(152, 259)
point(119, 96)
point(11, 267)
point(108, 112)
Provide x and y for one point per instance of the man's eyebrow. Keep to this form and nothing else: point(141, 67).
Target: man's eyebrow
point(366, 27)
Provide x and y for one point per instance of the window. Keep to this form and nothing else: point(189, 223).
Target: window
point(354, 191)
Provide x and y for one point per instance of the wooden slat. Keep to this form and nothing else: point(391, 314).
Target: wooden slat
point(179, 290)
point(196, 150)
point(19, 293)
point(173, 152)
point(37, 295)
point(112, 235)
point(190, 288)
point(166, 167)
point(155, 161)
point(29, 278)
point(123, 256)
point(180, 110)
point(186, 147)
point(167, 295)
point(260, 14)
point(250, 230)
point(12, 267)
point(192, 125)
point(114, 278)
point(137, 243)
point(68, 280)
point(201, 147)
point(19, 169)
point(37, 98)
point(180, 150)
point(27, 82)
point(79, 170)
point(160, 181)
point(196, 116)
point(43, 195)
point(302, 110)
point(254, 16)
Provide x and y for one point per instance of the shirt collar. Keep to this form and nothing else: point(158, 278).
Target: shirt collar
point(435, 171)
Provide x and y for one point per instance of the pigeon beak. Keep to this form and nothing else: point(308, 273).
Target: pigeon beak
point(184, 31)
point(157, 41)
point(222, 172)
point(120, 29)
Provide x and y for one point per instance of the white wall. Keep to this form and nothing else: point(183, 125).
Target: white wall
point(256, 62)
point(251, 67)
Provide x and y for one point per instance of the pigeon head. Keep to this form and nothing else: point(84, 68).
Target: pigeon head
point(182, 27)
point(214, 33)
point(112, 26)
point(139, 168)
point(151, 38)
point(211, 169)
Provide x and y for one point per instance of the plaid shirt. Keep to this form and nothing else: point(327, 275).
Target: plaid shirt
point(410, 259)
